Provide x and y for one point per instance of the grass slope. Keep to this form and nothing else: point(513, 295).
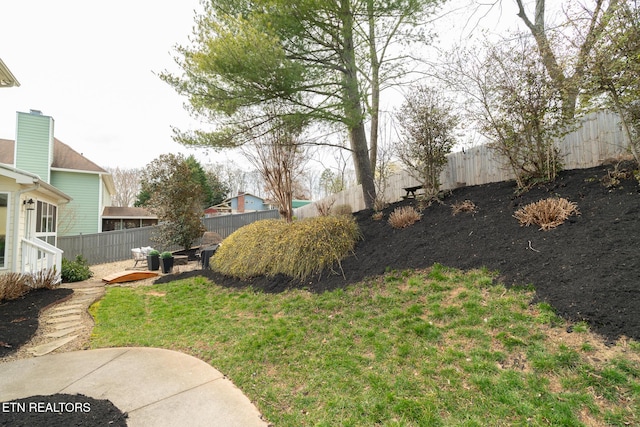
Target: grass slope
point(412, 348)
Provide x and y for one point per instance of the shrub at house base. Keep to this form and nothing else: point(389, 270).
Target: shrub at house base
point(298, 249)
point(75, 271)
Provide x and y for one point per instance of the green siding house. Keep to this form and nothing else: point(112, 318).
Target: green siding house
point(82, 215)
point(38, 152)
point(28, 202)
point(46, 190)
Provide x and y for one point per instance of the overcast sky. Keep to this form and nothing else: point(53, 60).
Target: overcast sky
point(90, 66)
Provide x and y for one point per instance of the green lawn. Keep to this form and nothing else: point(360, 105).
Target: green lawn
point(423, 348)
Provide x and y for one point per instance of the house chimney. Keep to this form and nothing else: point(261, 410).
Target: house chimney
point(33, 151)
point(240, 201)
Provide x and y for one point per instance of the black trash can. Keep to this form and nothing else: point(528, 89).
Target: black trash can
point(206, 254)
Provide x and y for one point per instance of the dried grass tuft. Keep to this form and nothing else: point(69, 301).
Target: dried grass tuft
point(465, 206)
point(48, 279)
point(404, 216)
point(547, 213)
point(379, 204)
point(13, 285)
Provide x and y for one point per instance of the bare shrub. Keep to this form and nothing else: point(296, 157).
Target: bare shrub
point(404, 216)
point(12, 286)
point(379, 204)
point(324, 206)
point(48, 278)
point(427, 128)
point(377, 216)
point(345, 209)
point(547, 213)
point(465, 206)
point(613, 177)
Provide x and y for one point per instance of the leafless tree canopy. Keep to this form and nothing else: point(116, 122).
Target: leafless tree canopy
point(279, 155)
point(427, 125)
point(127, 183)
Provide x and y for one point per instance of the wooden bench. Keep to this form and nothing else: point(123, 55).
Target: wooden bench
point(411, 191)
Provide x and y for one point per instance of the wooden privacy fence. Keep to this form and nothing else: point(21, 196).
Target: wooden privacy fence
point(598, 137)
point(116, 245)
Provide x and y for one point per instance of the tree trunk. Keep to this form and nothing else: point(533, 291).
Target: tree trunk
point(375, 88)
point(358, 140)
point(354, 116)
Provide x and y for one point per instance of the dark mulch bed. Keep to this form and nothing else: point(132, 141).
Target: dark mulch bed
point(587, 268)
point(19, 317)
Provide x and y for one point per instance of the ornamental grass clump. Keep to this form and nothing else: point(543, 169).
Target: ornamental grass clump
point(548, 213)
point(298, 249)
point(13, 285)
point(404, 216)
point(248, 252)
point(45, 279)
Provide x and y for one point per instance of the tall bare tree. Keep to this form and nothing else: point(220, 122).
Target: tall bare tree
point(127, 183)
point(279, 155)
point(567, 67)
point(513, 101)
point(615, 65)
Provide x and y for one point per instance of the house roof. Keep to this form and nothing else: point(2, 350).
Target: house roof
point(7, 79)
point(243, 194)
point(23, 177)
point(6, 151)
point(64, 157)
point(127, 212)
point(221, 207)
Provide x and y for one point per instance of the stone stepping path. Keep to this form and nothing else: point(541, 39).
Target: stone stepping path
point(47, 348)
point(65, 319)
point(63, 332)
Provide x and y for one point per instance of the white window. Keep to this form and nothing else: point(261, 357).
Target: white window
point(46, 220)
